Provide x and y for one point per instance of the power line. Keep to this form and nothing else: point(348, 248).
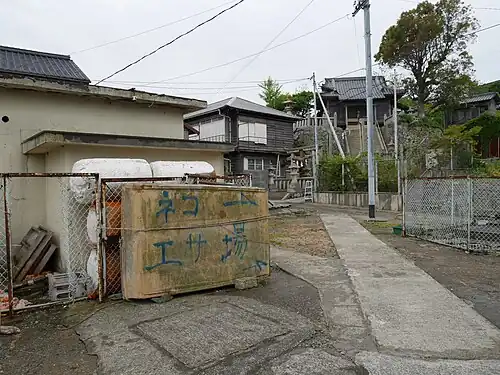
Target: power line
point(271, 42)
point(201, 82)
point(151, 30)
point(255, 86)
point(376, 64)
point(253, 54)
point(483, 8)
point(356, 38)
point(483, 29)
point(172, 41)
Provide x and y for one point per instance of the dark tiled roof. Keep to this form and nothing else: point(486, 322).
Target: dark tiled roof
point(241, 104)
point(26, 63)
point(481, 98)
point(354, 88)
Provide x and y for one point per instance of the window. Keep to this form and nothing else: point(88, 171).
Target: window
point(252, 132)
point(253, 164)
point(195, 136)
point(213, 129)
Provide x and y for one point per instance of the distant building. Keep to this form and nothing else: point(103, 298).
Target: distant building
point(473, 107)
point(261, 135)
point(346, 96)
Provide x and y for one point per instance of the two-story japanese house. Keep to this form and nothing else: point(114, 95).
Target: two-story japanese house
point(262, 135)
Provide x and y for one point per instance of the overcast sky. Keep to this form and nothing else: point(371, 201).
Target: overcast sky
point(48, 25)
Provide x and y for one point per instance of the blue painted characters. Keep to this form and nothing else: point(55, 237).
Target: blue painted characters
point(258, 265)
point(237, 243)
point(193, 212)
point(166, 206)
point(196, 241)
point(164, 260)
point(243, 201)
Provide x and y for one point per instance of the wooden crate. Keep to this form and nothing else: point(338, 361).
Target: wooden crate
point(182, 238)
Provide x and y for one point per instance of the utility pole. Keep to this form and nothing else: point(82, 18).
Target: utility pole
point(365, 5)
point(396, 131)
point(316, 146)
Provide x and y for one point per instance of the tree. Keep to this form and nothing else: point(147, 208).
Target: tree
point(489, 87)
point(459, 142)
point(272, 94)
point(302, 102)
point(430, 41)
point(489, 124)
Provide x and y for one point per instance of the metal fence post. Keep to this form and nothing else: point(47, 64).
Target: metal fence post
point(452, 201)
point(8, 246)
point(405, 188)
point(469, 213)
point(102, 235)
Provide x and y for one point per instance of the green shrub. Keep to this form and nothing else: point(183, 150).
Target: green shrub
point(355, 174)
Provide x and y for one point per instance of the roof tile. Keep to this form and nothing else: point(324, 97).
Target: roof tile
point(354, 88)
point(481, 97)
point(21, 62)
point(242, 104)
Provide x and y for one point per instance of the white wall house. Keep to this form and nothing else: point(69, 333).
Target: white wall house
point(51, 117)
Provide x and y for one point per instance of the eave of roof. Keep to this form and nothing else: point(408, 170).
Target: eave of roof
point(46, 140)
point(242, 105)
point(103, 92)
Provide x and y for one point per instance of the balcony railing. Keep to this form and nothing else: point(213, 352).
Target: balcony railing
point(250, 142)
point(216, 138)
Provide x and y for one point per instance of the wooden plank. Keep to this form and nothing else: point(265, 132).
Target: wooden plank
point(43, 262)
point(36, 256)
point(28, 245)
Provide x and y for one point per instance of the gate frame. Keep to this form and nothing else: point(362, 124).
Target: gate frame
point(5, 178)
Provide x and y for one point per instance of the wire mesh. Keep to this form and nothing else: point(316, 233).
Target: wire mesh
point(50, 240)
point(485, 215)
point(459, 212)
point(4, 275)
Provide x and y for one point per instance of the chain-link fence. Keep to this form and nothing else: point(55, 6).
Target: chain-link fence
point(45, 239)
point(459, 212)
point(110, 235)
point(5, 285)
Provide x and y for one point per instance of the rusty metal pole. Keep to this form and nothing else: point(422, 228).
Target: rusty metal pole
point(101, 203)
point(8, 246)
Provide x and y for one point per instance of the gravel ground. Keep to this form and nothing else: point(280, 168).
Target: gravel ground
point(301, 230)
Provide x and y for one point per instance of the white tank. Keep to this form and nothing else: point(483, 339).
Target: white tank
point(92, 271)
point(178, 169)
point(92, 226)
point(83, 187)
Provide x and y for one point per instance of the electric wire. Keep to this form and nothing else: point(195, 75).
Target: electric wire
point(172, 41)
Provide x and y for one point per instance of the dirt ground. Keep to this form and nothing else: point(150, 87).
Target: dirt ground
point(473, 278)
point(44, 346)
point(301, 230)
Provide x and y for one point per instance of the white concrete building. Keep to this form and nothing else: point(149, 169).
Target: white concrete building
point(51, 117)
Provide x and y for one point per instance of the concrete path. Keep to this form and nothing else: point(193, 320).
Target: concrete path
point(347, 325)
point(207, 334)
point(409, 313)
